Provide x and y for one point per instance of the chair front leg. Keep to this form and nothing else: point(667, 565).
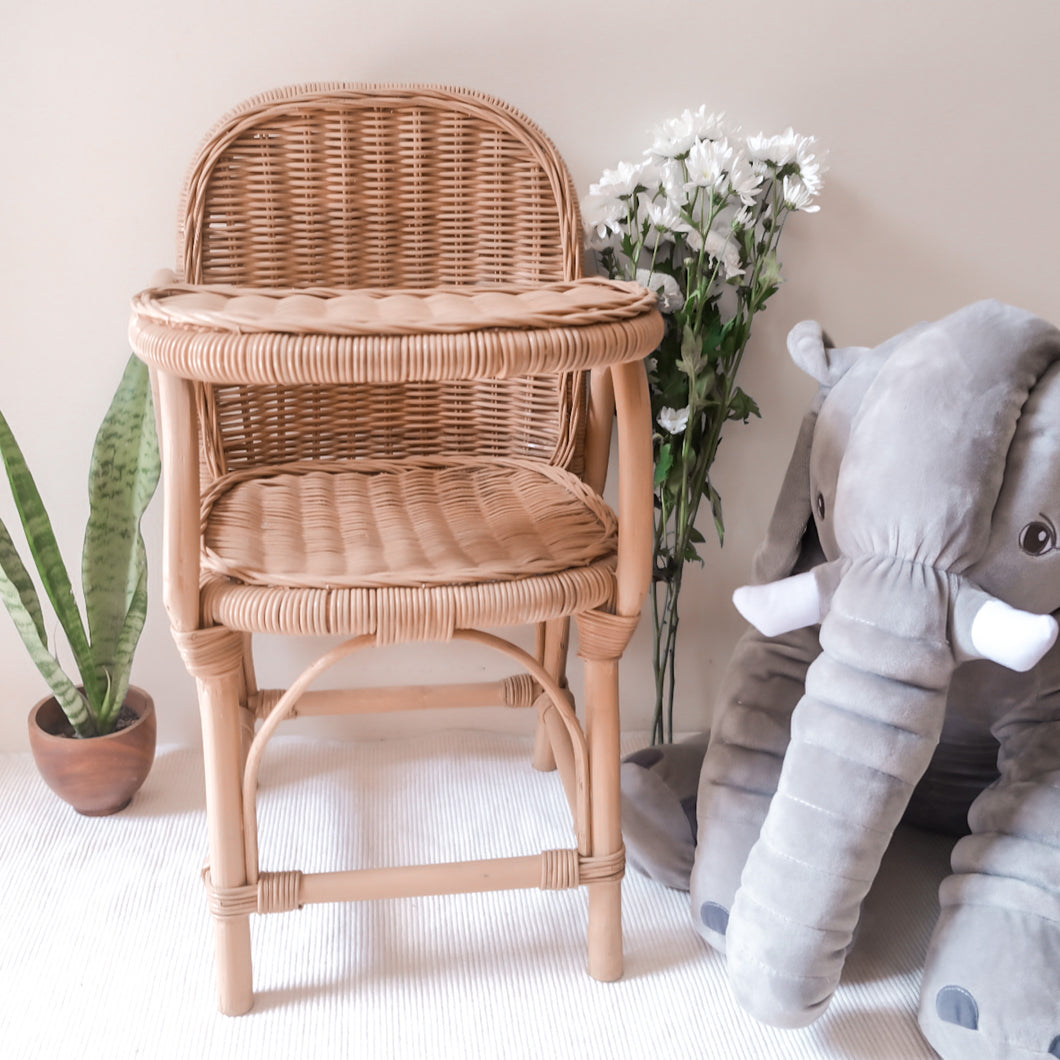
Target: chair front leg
point(222, 738)
point(605, 897)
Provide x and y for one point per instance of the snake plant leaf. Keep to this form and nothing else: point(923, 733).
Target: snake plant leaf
point(123, 476)
point(46, 556)
point(124, 651)
point(20, 597)
point(15, 571)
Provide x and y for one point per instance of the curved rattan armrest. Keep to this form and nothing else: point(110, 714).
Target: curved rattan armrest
point(221, 334)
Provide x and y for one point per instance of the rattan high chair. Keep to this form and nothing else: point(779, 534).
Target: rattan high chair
point(386, 396)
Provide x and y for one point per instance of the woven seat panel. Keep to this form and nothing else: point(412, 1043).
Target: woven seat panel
point(403, 523)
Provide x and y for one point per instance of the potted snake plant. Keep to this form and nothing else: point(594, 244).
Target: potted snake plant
point(93, 739)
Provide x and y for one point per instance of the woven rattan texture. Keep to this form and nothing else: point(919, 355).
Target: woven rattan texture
point(299, 423)
point(215, 356)
point(379, 186)
point(408, 523)
point(393, 614)
point(379, 311)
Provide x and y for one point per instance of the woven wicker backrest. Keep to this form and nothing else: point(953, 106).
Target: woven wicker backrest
point(382, 186)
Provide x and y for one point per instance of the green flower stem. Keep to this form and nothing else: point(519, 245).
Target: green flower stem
point(673, 538)
point(667, 207)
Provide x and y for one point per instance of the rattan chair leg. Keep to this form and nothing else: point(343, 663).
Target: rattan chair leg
point(605, 898)
point(247, 690)
point(544, 758)
point(553, 656)
point(222, 737)
point(250, 681)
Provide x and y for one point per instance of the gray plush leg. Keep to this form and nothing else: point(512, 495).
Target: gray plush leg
point(750, 735)
point(659, 809)
point(991, 986)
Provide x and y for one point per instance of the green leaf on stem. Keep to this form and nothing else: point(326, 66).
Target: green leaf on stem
point(663, 463)
point(715, 506)
point(705, 388)
point(742, 406)
point(692, 359)
point(691, 555)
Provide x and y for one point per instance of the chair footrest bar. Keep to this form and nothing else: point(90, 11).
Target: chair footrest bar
point(520, 690)
point(280, 892)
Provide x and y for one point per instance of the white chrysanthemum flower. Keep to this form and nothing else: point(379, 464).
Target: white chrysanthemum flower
point(675, 136)
point(620, 182)
point(666, 216)
point(708, 126)
point(707, 162)
point(746, 181)
point(811, 170)
point(603, 214)
point(803, 148)
point(650, 178)
point(673, 420)
point(797, 196)
point(672, 182)
point(777, 150)
point(785, 149)
point(671, 297)
point(722, 249)
point(742, 219)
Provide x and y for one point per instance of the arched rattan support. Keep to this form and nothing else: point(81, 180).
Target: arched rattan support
point(279, 713)
point(286, 703)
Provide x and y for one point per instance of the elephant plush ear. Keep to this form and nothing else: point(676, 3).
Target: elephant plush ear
point(792, 520)
point(813, 351)
point(791, 543)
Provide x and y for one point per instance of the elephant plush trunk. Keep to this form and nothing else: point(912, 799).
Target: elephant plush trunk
point(862, 736)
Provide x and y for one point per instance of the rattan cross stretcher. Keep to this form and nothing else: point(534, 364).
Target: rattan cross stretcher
point(386, 396)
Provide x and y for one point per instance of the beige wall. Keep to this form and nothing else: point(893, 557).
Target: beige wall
point(940, 119)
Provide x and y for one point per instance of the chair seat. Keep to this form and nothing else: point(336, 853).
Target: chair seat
point(317, 548)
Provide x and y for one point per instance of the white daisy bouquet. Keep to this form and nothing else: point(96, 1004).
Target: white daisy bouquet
point(698, 221)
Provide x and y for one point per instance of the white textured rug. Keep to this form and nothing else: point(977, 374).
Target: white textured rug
point(105, 943)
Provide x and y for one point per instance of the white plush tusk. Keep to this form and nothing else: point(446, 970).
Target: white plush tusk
point(781, 606)
point(1016, 639)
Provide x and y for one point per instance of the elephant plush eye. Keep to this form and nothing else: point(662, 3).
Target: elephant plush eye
point(1038, 537)
point(820, 505)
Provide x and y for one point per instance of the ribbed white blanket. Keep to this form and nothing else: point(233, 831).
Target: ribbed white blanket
point(106, 947)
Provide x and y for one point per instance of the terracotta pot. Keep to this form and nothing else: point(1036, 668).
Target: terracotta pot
point(99, 775)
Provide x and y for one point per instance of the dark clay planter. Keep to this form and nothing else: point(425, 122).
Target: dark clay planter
point(100, 775)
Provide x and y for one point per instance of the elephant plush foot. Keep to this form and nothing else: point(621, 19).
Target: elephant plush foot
point(991, 986)
point(659, 786)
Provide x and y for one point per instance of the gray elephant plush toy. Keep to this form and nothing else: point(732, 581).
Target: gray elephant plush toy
point(902, 662)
